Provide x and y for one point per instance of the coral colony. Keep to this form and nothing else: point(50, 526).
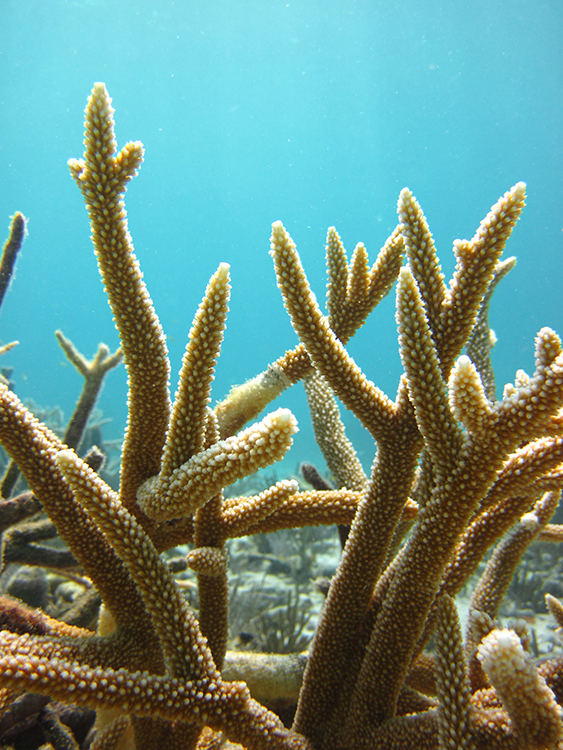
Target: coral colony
point(456, 473)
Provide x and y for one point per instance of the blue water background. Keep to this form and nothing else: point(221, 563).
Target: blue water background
point(315, 113)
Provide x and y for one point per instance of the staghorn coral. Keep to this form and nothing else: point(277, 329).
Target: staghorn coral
point(10, 251)
point(463, 467)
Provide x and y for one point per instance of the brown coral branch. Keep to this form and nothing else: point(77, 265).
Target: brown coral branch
point(10, 251)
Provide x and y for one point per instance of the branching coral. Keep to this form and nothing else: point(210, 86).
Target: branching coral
point(463, 467)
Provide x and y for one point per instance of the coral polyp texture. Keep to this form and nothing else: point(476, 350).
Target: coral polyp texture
point(455, 470)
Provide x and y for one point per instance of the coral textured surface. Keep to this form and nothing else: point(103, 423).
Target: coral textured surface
point(456, 474)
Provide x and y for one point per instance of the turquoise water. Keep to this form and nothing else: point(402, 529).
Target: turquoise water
point(315, 113)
